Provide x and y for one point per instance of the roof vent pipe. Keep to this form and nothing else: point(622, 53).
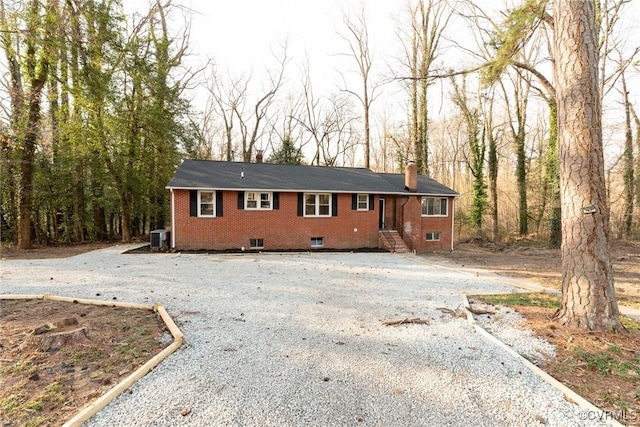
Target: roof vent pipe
point(411, 176)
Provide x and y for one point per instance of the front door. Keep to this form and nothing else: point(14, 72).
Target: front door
point(381, 224)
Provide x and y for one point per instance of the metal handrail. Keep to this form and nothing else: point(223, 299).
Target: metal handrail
point(390, 241)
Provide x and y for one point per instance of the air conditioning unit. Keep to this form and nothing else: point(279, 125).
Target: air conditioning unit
point(159, 240)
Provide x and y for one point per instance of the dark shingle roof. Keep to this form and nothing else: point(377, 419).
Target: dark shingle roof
point(208, 174)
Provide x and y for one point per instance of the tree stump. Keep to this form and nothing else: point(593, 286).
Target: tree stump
point(55, 341)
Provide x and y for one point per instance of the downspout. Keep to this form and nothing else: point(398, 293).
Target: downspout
point(173, 220)
point(453, 220)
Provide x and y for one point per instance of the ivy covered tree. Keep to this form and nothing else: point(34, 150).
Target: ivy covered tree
point(96, 120)
point(477, 151)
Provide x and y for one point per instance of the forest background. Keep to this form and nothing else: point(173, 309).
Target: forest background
point(101, 101)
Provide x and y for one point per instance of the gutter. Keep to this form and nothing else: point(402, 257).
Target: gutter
point(308, 190)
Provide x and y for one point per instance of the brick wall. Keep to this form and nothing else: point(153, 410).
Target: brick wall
point(281, 229)
point(434, 224)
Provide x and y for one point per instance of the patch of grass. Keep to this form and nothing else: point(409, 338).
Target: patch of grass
point(630, 324)
point(606, 363)
point(92, 354)
point(613, 399)
point(18, 405)
point(38, 421)
point(132, 351)
point(11, 404)
point(23, 367)
point(599, 362)
point(538, 299)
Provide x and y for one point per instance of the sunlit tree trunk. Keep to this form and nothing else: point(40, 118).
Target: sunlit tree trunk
point(588, 296)
point(428, 18)
point(628, 174)
point(357, 39)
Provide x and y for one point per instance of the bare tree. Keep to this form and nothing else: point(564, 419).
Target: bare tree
point(428, 20)
point(329, 122)
point(252, 124)
point(394, 147)
point(227, 96)
point(244, 121)
point(357, 39)
point(285, 128)
point(588, 295)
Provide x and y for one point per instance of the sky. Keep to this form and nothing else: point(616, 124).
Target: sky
point(239, 36)
point(241, 33)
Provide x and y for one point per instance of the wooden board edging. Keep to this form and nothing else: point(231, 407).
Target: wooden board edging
point(578, 400)
point(92, 408)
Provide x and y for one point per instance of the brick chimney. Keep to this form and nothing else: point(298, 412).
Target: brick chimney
point(411, 176)
point(259, 156)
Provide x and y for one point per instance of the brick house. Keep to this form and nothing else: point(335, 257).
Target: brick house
point(260, 206)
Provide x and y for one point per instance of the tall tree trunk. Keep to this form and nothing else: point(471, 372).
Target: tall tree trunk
point(628, 180)
point(521, 167)
point(37, 71)
point(553, 178)
point(588, 296)
point(492, 164)
point(636, 119)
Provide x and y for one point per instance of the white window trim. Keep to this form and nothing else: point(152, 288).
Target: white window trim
point(258, 201)
point(366, 196)
point(433, 234)
point(256, 247)
point(200, 214)
point(436, 215)
point(317, 205)
point(321, 239)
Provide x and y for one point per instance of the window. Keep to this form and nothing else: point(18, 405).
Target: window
point(433, 236)
point(363, 202)
point(256, 243)
point(258, 201)
point(433, 206)
point(317, 204)
point(317, 242)
point(206, 203)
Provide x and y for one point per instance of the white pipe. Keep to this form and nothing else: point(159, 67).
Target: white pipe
point(453, 219)
point(173, 220)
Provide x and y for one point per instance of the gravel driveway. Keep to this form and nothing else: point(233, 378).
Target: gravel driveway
point(298, 339)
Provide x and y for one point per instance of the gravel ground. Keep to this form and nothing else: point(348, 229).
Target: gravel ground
point(297, 339)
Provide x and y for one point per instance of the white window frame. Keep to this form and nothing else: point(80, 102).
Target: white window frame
point(213, 204)
point(317, 204)
point(435, 236)
point(257, 197)
point(317, 242)
point(257, 243)
point(439, 206)
point(362, 202)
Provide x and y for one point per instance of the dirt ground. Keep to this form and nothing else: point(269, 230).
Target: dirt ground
point(604, 368)
point(41, 387)
point(56, 357)
point(543, 265)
